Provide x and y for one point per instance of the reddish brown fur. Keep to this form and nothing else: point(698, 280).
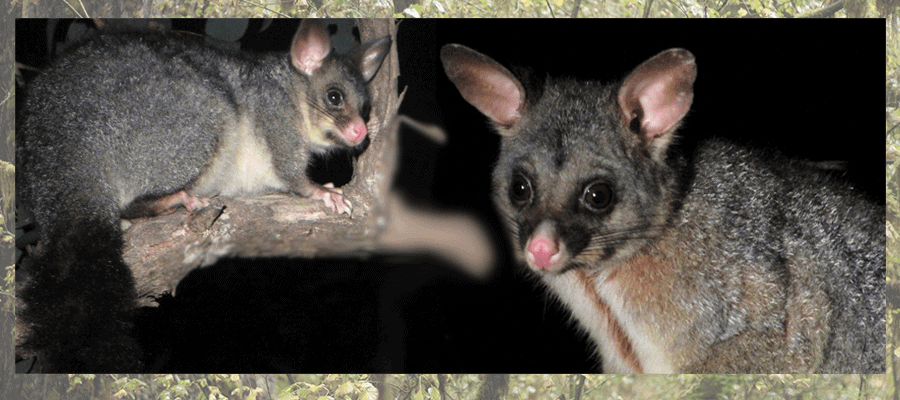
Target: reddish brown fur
point(615, 330)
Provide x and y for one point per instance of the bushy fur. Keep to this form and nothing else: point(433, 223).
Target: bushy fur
point(127, 118)
point(731, 260)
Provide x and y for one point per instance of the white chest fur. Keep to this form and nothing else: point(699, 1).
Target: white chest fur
point(242, 166)
point(627, 341)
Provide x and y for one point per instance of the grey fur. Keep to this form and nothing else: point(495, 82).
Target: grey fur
point(125, 119)
point(731, 261)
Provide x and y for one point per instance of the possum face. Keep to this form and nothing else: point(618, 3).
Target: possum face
point(332, 96)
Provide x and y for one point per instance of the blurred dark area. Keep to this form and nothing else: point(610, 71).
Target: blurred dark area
point(792, 87)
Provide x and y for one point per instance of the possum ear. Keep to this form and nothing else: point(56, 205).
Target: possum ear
point(655, 97)
point(368, 57)
point(485, 84)
point(310, 47)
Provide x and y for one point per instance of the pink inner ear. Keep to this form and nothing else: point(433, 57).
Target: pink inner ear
point(310, 47)
point(663, 107)
point(661, 90)
point(497, 95)
point(484, 83)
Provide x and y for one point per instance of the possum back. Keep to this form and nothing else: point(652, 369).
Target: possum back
point(93, 116)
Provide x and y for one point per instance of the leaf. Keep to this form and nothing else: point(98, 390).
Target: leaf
point(368, 391)
point(135, 383)
point(434, 393)
point(345, 389)
point(412, 12)
point(75, 382)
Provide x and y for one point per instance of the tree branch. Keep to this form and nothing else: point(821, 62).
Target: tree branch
point(647, 8)
point(162, 250)
point(827, 11)
point(575, 8)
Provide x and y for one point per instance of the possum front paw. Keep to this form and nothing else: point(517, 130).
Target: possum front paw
point(333, 198)
point(168, 204)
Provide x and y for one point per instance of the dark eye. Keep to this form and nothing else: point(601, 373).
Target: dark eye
point(334, 97)
point(520, 189)
point(598, 196)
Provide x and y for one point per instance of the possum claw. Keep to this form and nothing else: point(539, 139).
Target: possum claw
point(333, 198)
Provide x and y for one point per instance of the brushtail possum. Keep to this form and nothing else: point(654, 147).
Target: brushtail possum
point(141, 122)
point(733, 260)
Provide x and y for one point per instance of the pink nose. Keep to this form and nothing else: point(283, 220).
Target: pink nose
point(358, 134)
point(542, 250)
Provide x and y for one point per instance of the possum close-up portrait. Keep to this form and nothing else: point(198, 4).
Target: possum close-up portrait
point(736, 261)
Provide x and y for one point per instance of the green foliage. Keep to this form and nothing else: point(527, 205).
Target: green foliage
point(166, 386)
point(466, 387)
point(330, 387)
point(626, 8)
point(892, 148)
point(7, 194)
point(663, 387)
point(497, 8)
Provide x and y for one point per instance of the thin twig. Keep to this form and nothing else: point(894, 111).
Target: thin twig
point(73, 9)
point(580, 388)
point(722, 7)
point(892, 128)
point(8, 94)
point(576, 7)
point(647, 8)
point(479, 8)
point(823, 12)
point(266, 8)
